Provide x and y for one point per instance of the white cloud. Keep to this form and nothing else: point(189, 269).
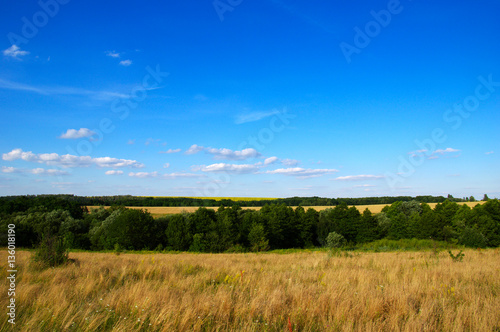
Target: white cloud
point(171, 151)
point(51, 172)
point(35, 171)
point(114, 162)
point(447, 150)
point(131, 142)
point(166, 165)
point(432, 155)
point(302, 173)
point(114, 172)
point(270, 160)
point(359, 177)
point(143, 174)
point(113, 54)
point(194, 149)
point(75, 134)
point(233, 155)
point(417, 152)
point(68, 160)
point(226, 154)
point(14, 51)
point(254, 116)
point(155, 174)
point(10, 170)
point(489, 152)
point(229, 168)
point(125, 63)
point(364, 186)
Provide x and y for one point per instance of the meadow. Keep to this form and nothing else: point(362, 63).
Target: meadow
point(160, 211)
point(300, 291)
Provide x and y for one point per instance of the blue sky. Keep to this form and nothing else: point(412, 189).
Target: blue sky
point(265, 98)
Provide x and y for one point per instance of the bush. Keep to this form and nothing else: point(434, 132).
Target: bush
point(51, 251)
point(335, 240)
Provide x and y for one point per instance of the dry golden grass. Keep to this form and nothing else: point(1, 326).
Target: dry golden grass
point(407, 291)
point(160, 211)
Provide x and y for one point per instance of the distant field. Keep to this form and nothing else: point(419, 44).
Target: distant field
point(235, 199)
point(159, 211)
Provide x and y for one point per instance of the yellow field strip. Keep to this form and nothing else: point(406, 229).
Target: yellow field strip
point(159, 211)
point(234, 199)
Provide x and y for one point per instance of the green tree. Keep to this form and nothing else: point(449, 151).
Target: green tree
point(129, 228)
point(257, 238)
point(383, 223)
point(367, 228)
point(335, 240)
point(178, 232)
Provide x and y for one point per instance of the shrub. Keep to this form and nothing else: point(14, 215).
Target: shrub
point(51, 251)
point(458, 257)
point(335, 240)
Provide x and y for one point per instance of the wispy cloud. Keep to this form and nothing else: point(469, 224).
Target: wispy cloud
point(225, 154)
point(171, 151)
point(228, 154)
point(194, 149)
point(289, 162)
point(447, 150)
point(114, 172)
point(155, 174)
point(489, 152)
point(75, 134)
point(15, 52)
point(35, 171)
point(125, 63)
point(253, 116)
point(154, 141)
point(228, 168)
point(270, 160)
point(69, 91)
point(432, 154)
point(302, 173)
point(143, 175)
point(359, 177)
point(113, 54)
point(68, 160)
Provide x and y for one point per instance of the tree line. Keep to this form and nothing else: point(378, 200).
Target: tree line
point(10, 204)
point(233, 229)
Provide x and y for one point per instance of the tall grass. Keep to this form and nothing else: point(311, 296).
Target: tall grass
point(307, 291)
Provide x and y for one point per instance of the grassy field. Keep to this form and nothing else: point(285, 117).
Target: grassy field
point(159, 211)
point(306, 291)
